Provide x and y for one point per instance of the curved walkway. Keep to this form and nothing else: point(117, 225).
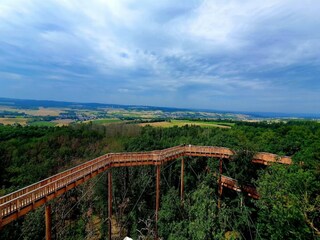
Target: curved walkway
point(18, 203)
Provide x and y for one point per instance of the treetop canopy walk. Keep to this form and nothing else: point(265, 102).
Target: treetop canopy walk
point(20, 202)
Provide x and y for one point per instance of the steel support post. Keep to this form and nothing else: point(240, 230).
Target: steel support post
point(220, 183)
point(157, 198)
point(109, 204)
point(48, 221)
point(182, 180)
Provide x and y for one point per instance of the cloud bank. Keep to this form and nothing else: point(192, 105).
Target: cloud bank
point(228, 55)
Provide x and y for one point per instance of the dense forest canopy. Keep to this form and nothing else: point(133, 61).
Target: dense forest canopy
point(289, 207)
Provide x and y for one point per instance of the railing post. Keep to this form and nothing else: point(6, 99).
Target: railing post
point(1, 218)
point(220, 183)
point(157, 198)
point(182, 180)
point(109, 204)
point(48, 221)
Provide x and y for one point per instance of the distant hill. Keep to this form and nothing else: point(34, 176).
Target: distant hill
point(27, 103)
point(34, 104)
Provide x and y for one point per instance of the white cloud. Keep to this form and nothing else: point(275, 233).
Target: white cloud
point(226, 46)
point(10, 76)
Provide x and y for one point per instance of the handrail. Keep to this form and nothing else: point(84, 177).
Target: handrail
point(50, 187)
point(21, 198)
point(34, 186)
point(49, 179)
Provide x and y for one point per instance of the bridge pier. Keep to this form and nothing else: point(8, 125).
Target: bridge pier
point(220, 183)
point(157, 198)
point(182, 181)
point(48, 221)
point(109, 204)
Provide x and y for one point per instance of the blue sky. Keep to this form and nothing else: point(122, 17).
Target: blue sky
point(225, 55)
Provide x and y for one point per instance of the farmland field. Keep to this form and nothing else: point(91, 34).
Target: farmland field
point(10, 121)
point(44, 112)
point(42, 124)
point(41, 111)
point(63, 122)
point(181, 123)
point(105, 121)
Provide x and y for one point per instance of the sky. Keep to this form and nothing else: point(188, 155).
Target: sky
point(248, 55)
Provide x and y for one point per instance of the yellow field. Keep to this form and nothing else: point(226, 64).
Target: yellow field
point(181, 123)
point(10, 121)
point(44, 112)
point(63, 122)
point(40, 112)
point(157, 124)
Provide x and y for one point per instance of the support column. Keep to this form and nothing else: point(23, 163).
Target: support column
point(220, 183)
point(157, 198)
point(48, 221)
point(182, 180)
point(109, 204)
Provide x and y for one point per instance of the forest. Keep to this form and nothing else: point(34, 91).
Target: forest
point(288, 208)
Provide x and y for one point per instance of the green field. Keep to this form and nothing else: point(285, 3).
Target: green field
point(181, 123)
point(42, 124)
point(105, 121)
point(227, 124)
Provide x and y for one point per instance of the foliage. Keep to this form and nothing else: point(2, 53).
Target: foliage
point(289, 207)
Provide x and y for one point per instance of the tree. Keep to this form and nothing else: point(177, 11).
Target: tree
point(289, 202)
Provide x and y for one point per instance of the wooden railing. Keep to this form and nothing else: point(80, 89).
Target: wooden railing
point(267, 158)
point(50, 179)
point(233, 184)
point(26, 199)
point(191, 150)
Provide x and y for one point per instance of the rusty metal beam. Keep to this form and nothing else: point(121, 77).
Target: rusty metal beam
point(182, 181)
point(157, 198)
point(220, 183)
point(109, 205)
point(48, 221)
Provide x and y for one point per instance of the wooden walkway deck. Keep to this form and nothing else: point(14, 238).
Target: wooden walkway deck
point(18, 203)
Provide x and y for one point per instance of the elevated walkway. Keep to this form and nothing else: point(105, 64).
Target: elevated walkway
point(18, 203)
